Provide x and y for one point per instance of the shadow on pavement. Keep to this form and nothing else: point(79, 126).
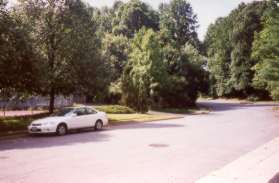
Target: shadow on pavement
point(46, 141)
point(275, 179)
point(86, 136)
point(154, 125)
point(223, 106)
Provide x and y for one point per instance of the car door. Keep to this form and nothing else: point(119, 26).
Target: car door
point(91, 117)
point(80, 119)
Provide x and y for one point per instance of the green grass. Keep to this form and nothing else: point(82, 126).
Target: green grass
point(122, 118)
point(17, 123)
point(115, 109)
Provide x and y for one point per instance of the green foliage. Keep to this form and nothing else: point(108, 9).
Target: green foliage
point(184, 63)
point(115, 109)
point(266, 50)
point(115, 53)
point(218, 45)
point(229, 47)
point(248, 22)
point(64, 37)
point(129, 52)
point(185, 77)
point(18, 66)
point(179, 20)
point(132, 16)
point(144, 71)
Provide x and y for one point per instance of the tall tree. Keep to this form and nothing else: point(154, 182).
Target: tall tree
point(247, 22)
point(132, 16)
point(229, 46)
point(179, 20)
point(266, 50)
point(178, 37)
point(185, 77)
point(64, 36)
point(115, 53)
point(144, 70)
point(18, 68)
point(218, 44)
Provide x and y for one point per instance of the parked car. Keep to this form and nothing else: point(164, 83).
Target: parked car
point(68, 119)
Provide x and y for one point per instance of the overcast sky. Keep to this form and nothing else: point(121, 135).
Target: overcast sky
point(207, 10)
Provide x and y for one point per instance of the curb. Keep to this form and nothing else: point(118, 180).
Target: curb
point(12, 135)
point(257, 166)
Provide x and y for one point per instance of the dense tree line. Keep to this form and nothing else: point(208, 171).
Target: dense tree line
point(128, 53)
point(132, 54)
point(241, 51)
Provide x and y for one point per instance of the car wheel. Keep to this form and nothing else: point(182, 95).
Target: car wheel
point(98, 125)
point(61, 130)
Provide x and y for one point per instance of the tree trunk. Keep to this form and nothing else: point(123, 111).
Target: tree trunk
point(51, 101)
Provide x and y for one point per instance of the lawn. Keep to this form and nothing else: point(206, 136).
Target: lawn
point(122, 118)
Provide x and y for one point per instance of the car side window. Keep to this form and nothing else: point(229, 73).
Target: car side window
point(80, 111)
point(90, 111)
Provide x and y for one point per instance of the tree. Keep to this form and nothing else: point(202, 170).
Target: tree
point(144, 70)
point(132, 16)
point(266, 50)
point(115, 53)
point(218, 44)
point(115, 50)
point(248, 21)
point(186, 77)
point(18, 68)
point(229, 46)
point(179, 20)
point(64, 37)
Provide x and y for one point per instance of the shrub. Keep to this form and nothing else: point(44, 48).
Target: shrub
point(115, 109)
point(19, 122)
point(253, 98)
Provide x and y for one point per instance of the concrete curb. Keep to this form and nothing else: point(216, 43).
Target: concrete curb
point(258, 166)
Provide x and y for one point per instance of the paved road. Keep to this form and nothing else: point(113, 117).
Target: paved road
point(174, 151)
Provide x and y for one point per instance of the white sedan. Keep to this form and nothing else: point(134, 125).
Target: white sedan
point(69, 118)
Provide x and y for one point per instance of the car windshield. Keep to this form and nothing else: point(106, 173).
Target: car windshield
point(62, 112)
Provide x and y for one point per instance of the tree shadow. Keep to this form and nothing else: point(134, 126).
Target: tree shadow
point(151, 125)
point(47, 141)
point(73, 138)
point(274, 179)
point(223, 106)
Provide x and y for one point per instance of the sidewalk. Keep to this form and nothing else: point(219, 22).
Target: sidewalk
point(258, 166)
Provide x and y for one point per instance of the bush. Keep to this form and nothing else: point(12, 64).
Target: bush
point(253, 98)
point(19, 122)
point(115, 109)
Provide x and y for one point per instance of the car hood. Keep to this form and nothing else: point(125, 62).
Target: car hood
point(54, 119)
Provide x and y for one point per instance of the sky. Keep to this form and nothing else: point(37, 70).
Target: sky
point(207, 10)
